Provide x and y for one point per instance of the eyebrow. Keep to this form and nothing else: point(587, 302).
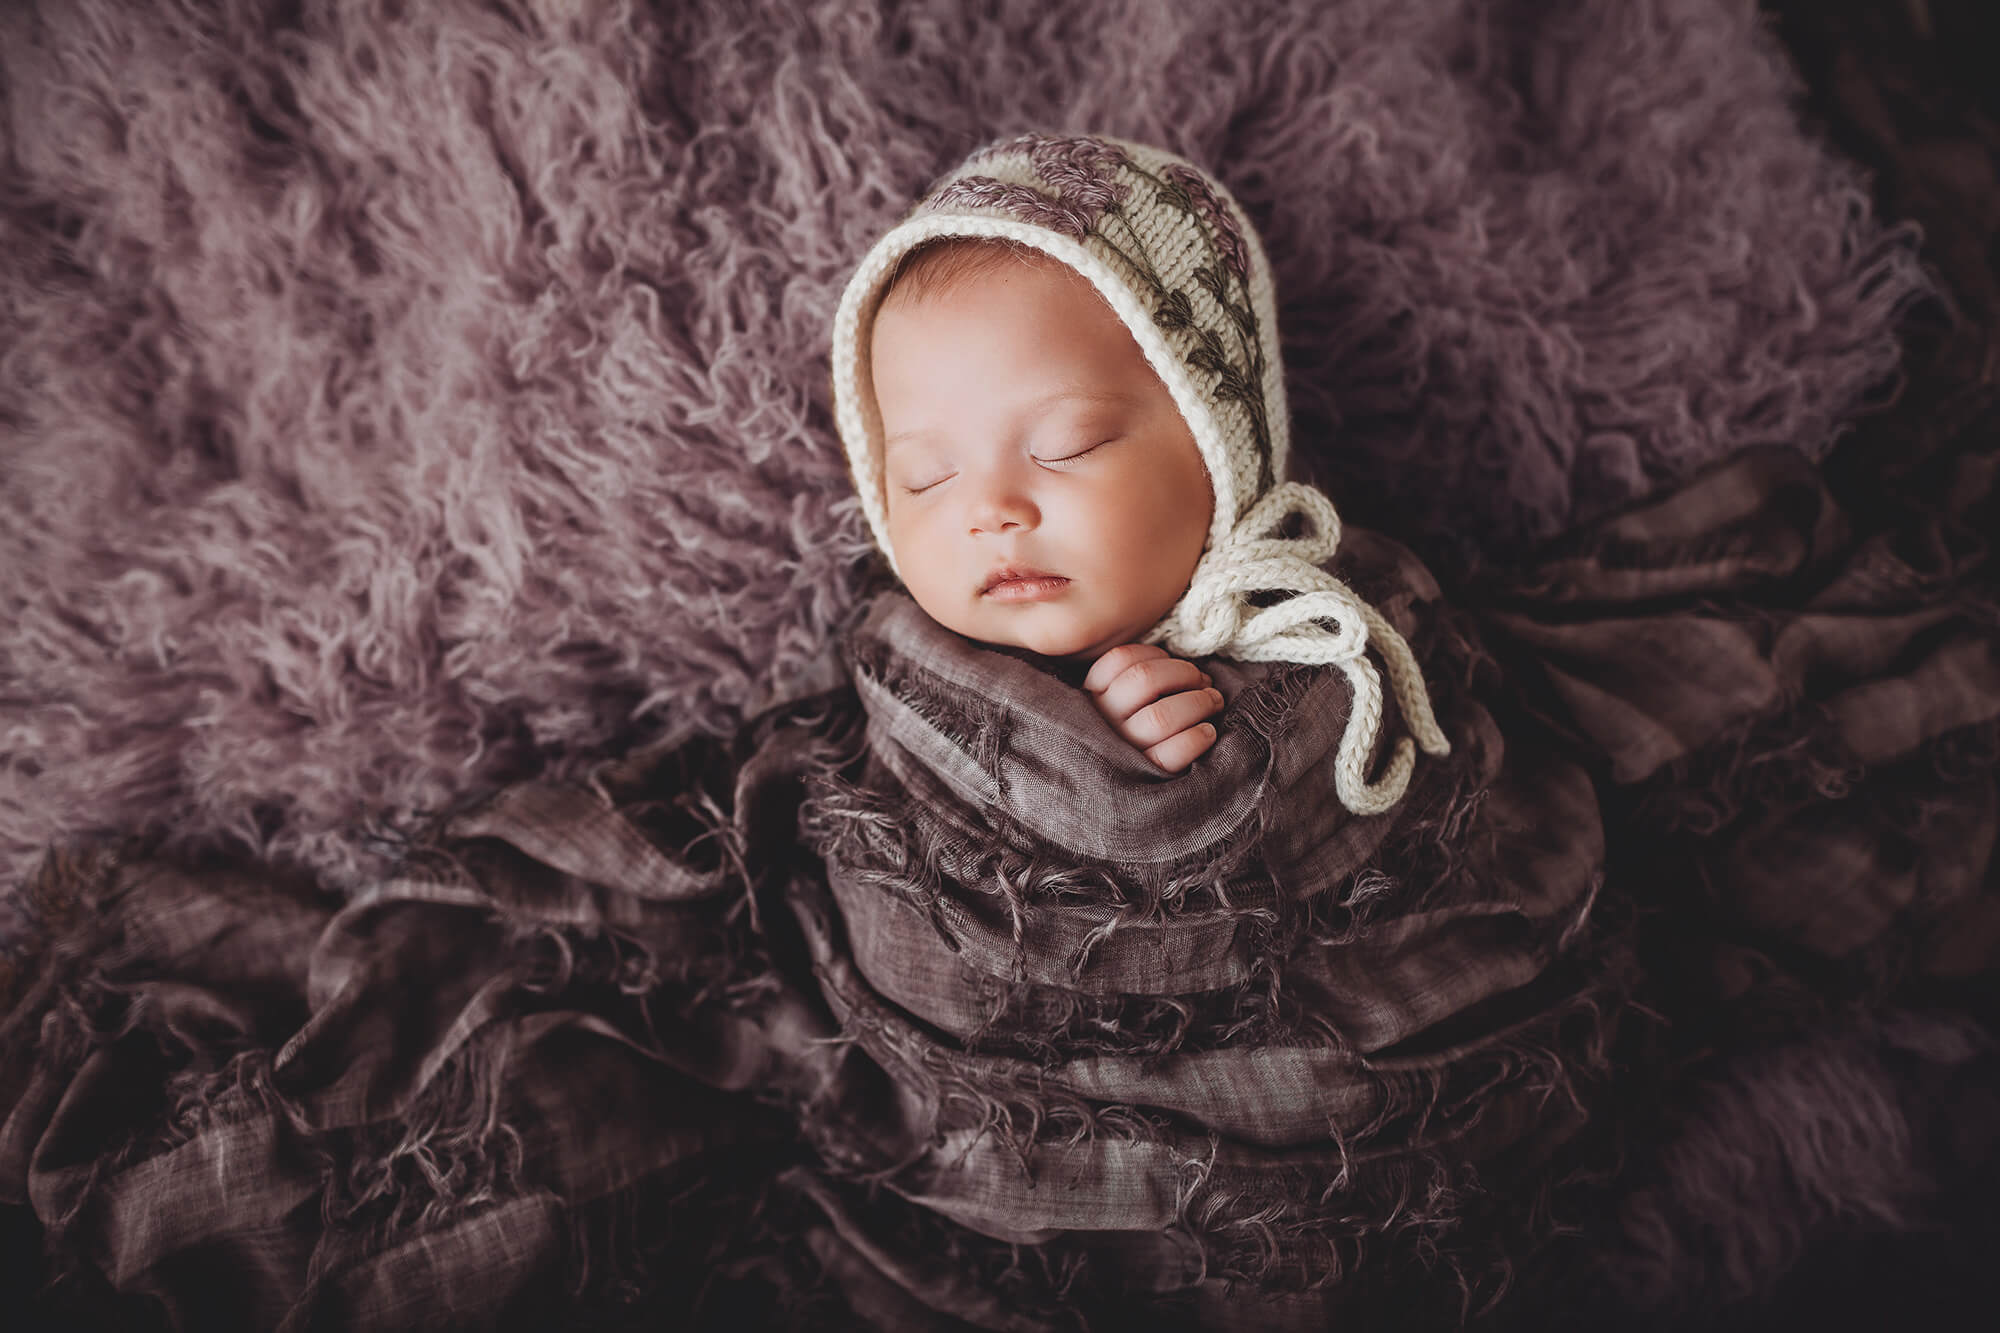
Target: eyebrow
point(1036, 410)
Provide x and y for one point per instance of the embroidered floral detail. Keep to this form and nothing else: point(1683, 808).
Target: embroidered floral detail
point(1226, 281)
point(1210, 281)
point(1201, 201)
point(1083, 170)
point(1029, 205)
point(1175, 311)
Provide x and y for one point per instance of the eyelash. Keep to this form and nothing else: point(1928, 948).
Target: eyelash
point(1045, 462)
point(1058, 462)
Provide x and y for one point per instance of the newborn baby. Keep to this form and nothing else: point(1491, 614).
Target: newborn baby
point(1042, 488)
point(1137, 829)
point(1065, 418)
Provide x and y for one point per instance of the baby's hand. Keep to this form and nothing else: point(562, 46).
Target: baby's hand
point(1155, 701)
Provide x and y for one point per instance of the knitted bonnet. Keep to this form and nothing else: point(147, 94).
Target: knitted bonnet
point(1172, 253)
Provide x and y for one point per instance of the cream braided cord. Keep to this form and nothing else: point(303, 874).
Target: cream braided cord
point(1214, 616)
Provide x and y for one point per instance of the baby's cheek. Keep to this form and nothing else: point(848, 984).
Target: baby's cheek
point(910, 543)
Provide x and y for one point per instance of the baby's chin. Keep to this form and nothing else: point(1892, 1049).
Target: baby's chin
point(1047, 631)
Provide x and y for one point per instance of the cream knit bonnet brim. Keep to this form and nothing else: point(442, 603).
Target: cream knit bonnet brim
point(1172, 253)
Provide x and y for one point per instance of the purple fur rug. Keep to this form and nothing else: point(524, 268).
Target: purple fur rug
point(400, 398)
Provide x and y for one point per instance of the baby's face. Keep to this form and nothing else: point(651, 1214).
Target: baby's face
point(1023, 429)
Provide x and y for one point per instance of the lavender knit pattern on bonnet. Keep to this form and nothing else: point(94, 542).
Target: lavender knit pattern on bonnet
point(402, 398)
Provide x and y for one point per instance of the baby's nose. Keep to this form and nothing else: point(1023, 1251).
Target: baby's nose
point(1003, 509)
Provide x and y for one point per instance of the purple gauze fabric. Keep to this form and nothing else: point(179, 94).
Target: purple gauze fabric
point(398, 399)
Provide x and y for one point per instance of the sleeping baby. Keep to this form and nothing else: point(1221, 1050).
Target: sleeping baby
point(1060, 393)
point(1138, 881)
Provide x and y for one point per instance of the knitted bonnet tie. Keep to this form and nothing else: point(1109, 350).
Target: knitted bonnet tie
point(1173, 255)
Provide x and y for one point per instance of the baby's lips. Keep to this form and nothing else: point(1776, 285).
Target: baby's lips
point(1004, 573)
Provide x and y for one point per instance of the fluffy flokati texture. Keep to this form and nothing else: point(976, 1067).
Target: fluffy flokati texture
point(1779, 1146)
point(400, 398)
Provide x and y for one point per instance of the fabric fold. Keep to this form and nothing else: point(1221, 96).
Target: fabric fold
point(873, 999)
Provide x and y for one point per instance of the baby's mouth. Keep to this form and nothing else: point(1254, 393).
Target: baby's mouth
point(1021, 583)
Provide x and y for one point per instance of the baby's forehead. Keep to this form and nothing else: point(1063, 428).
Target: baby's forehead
point(982, 330)
point(937, 281)
point(984, 282)
point(936, 267)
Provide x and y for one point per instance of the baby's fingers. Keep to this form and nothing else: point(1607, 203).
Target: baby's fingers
point(1115, 662)
point(1145, 681)
point(1179, 750)
point(1171, 714)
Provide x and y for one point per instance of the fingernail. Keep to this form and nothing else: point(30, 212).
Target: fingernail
point(1206, 679)
point(1217, 694)
point(1209, 727)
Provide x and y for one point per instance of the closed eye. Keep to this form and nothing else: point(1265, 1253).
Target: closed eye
point(1046, 462)
point(1071, 458)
